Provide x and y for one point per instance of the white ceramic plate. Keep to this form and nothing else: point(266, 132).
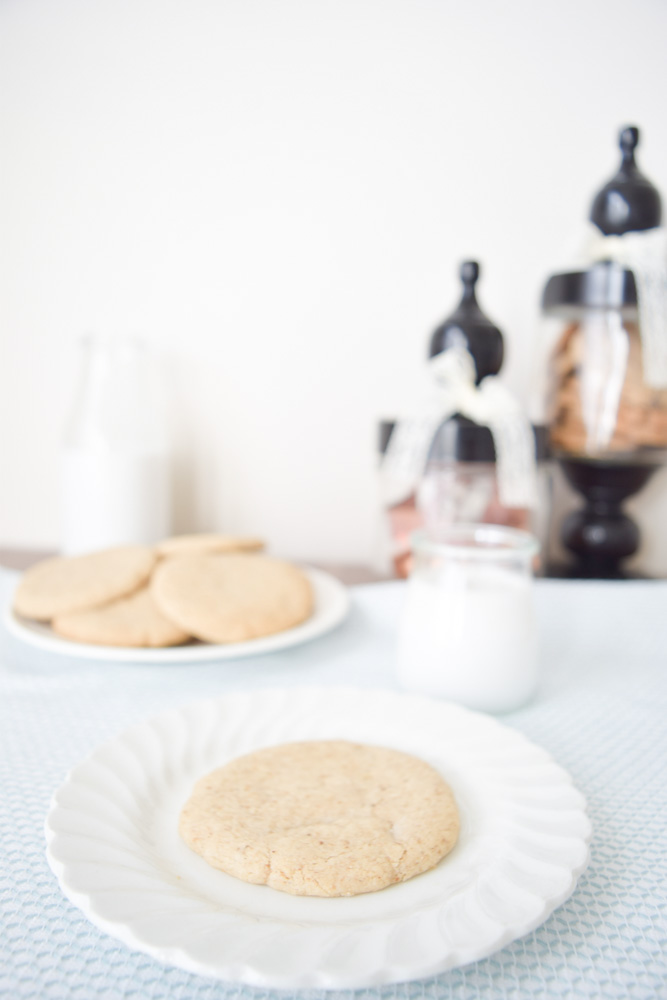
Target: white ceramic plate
point(113, 843)
point(331, 607)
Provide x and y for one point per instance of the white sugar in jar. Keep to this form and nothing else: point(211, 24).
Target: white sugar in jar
point(468, 630)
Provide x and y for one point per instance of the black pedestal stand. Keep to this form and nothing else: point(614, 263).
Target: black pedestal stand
point(600, 535)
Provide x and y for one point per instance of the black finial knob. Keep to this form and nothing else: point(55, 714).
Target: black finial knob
point(628, 140)
point(469, 272)
point(469, 326)
point(629, 202)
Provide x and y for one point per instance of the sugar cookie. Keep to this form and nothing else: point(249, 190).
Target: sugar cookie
point(77, 583)
point(181, 545)
point(327, 818)
point(128, 621)
point(231, 598)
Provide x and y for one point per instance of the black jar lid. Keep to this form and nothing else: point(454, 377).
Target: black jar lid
point(465, 441)
point(470, 327)
point(603, 286)
point(458, 440)
point(462, 440)
point(629, 202)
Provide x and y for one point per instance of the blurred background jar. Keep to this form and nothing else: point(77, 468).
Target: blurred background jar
point(115, 463)
point(607, 369)
point(460, 481)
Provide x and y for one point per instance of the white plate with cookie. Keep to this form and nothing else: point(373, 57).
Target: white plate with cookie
point(114, 843)
point(330, 606)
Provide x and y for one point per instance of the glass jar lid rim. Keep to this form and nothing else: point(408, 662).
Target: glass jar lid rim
point(477, 541)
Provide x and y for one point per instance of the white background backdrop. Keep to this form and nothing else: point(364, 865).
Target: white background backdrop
point(277, 194)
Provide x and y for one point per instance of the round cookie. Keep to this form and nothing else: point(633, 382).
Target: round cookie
point(65, 584)
point(180, 545)
point(323, 818)
point(128, 621)
point(231, 598)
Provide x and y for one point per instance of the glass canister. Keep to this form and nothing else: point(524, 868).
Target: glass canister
point(459, 482)
point(606, 401)
point(115, 461)
point(468, 629)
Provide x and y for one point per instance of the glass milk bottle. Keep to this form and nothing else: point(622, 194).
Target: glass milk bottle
point(115, 469)
point(468, 630)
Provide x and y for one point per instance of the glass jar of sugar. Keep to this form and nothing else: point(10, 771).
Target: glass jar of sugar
point(468, 630)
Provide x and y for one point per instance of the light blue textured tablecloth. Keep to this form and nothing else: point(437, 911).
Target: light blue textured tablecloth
point(601, 712)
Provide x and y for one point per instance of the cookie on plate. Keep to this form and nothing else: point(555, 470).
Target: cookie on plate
point(128, 621)
point(231, 598)
point(328, 818)
point(65, 584)
point(180, 545)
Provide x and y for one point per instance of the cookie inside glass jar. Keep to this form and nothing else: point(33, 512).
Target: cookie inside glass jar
point(600, 400)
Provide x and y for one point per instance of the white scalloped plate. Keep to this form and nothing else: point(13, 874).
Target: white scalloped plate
point(332, 604)
point(113, 843)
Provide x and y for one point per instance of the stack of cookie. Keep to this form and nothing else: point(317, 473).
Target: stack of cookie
point(641, 417)
point(211, 588)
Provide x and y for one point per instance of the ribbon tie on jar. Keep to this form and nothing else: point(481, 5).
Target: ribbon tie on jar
point(645, 254)
point(490, 404)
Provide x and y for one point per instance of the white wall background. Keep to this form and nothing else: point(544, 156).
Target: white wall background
point(277, 194)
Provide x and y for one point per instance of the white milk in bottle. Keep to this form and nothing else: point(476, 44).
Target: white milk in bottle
point(115, 463)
